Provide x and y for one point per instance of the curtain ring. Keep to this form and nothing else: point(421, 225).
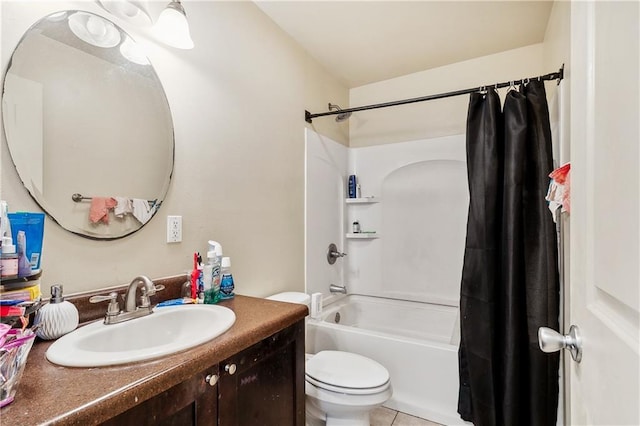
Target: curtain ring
point(511, 86)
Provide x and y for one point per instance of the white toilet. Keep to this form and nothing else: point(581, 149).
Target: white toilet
point(342, 387)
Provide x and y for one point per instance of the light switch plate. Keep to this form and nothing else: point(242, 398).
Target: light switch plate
point(174, 229)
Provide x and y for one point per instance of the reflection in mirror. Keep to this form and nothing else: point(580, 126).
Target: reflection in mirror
point(85, 113)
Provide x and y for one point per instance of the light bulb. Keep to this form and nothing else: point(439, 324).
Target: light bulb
point(172, 27)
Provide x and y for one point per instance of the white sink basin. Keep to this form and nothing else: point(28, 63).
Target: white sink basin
point(168, 330)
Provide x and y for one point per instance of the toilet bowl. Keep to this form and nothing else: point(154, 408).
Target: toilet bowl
point(341, 387)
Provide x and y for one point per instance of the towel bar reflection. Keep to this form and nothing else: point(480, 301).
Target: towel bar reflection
point(79, 197)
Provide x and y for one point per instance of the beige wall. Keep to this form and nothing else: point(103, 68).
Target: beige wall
point(439, 117)
point(238, 102)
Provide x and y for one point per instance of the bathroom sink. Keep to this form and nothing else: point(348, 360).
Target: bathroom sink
point(166, 331)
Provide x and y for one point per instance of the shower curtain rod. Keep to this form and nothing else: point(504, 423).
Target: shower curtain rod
point(308, 117)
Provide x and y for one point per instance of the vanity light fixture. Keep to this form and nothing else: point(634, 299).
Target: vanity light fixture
point(130, 50)
point(172, 27)
point(94, 30)
point(133, 11)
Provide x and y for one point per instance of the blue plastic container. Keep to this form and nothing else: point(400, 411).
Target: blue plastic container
point(33, 226)
point(352, 186)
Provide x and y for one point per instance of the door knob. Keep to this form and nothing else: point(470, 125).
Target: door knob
point(230, 368)
point(550, 340)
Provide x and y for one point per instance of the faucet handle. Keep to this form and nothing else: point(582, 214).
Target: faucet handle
point(114, 306)
point(144, 298)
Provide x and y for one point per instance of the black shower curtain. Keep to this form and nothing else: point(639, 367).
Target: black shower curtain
point(509, 280)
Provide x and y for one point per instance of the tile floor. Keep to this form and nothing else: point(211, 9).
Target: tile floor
point(383, 416)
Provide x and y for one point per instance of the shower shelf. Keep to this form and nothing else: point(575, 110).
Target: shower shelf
point(362, 236)
point(364, 200)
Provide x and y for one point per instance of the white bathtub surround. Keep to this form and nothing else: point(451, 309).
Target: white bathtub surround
point(416, 342)
point(418, 211)
point(414, 196)
point(421, 219)
point(325, 172)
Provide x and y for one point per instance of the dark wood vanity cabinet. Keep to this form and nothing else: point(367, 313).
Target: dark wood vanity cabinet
point(192, 402)
point(262, 385)
point(267, 384)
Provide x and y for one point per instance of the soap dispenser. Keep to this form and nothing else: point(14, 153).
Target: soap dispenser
point(56, 318)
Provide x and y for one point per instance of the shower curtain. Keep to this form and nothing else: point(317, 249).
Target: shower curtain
point(510, 284)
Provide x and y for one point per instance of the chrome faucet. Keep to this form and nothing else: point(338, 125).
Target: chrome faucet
point(131, 310)
point(149, 289)
point(338, 289)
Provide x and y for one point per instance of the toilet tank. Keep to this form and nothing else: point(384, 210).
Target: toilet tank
point(292, 297)
point(295, 297)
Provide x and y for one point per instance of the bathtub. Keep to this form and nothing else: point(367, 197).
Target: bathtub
point(417, 343)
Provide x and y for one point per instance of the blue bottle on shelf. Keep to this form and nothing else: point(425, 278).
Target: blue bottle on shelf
point(352, 186)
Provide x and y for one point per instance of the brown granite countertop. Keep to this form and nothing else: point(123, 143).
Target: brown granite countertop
point(50, 394)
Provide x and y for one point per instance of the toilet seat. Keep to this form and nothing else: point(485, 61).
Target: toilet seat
point(347, 373)
point(343, 390)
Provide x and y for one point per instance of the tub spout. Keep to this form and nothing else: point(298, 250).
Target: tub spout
point(338, 289)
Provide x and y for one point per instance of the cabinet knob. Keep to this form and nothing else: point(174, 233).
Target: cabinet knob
point(230, 368)
point(212, 379)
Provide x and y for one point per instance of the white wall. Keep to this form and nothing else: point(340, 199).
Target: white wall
point(238, 101)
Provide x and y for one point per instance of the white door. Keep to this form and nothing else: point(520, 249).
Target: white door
point(604, 221)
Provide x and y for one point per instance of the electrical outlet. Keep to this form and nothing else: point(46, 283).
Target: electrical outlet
point(174, 229)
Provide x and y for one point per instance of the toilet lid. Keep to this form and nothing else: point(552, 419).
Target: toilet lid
point(346, 370)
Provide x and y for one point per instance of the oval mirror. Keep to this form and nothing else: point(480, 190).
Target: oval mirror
point(88, 125)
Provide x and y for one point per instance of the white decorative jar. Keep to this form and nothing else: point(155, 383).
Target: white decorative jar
point(56, 318)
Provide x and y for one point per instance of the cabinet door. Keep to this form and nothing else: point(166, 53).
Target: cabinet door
point(192, 402)
point(264, 384)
